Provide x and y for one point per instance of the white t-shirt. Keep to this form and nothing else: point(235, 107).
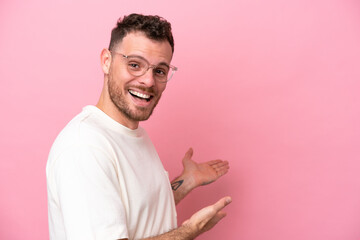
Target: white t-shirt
point(106, 181)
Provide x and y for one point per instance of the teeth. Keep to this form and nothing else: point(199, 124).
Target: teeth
point(140, 95)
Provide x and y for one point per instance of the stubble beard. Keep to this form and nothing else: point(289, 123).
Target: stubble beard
point(116, 96)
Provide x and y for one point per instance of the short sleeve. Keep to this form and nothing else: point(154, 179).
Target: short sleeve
point(89, 196)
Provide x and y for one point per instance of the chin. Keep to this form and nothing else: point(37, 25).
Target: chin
point(138, 115)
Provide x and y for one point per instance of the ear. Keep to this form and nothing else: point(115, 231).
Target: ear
point(105, 60)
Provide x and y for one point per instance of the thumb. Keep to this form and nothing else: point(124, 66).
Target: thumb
point(189, 153)
point(222, 203)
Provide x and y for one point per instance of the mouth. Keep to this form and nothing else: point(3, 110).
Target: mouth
point(141, 96)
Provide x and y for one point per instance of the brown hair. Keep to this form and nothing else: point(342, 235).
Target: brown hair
point(154, 27)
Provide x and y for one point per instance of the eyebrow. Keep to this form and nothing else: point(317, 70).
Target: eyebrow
point(161, 63)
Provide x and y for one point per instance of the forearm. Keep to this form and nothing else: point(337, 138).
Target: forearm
point(181, 233)
point(181, 186)
point(198, 223)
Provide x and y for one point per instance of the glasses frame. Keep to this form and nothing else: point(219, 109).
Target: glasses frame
point(173, 68)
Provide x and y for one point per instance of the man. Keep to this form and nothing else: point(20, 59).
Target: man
point(105, 179)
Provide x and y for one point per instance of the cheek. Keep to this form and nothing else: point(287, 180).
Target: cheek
point(161, 88)
point(121, 79)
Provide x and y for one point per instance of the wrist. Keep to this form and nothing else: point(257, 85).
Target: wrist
point(189, 182)
point(188, 230)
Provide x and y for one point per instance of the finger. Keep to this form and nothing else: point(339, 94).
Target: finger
point(220, 166)
point(219, 163)
point(220, 215)
point(222, 203)
point(214, 162)
point(213, 221)
point(221, 172)
point(189, 153)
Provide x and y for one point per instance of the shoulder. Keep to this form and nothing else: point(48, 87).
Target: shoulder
point(85, 133)
point(84, 129)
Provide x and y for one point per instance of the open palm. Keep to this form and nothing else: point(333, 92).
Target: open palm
point(203, 173)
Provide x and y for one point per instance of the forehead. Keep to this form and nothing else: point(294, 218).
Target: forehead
point(136, 43)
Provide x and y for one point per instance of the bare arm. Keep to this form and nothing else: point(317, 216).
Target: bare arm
point(196, 174)
point(200, 222)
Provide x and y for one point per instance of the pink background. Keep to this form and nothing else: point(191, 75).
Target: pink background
point(270, 86)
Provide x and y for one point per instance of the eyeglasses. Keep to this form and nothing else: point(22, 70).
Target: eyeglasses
point(138, 66)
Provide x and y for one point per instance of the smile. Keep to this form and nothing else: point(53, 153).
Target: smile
point(140, 95)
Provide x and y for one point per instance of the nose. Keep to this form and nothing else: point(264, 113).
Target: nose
point(148, 78)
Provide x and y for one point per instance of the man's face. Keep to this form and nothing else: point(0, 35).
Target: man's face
point(136, 97)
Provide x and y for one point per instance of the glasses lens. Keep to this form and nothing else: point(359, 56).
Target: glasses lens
point(161, 73)
point(136, 66)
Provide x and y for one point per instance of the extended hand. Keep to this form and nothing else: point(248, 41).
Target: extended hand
point(208, 217)
point(200, 222)
point(203, 173)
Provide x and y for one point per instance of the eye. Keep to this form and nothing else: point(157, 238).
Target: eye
point(135, 66)
point(161, 72)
